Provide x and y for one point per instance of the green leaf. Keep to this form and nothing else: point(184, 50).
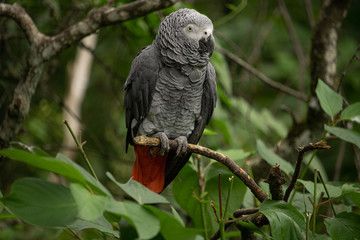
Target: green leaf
point(237, 155)
point(47, 163)
point(344, 226)
point(138, 192)
point(334, 191)
point(146, 224)
point(345, 134)
point(237, 193)
point(352, 192)
point(286, 221)
point(60, 165)
point(177, 216)
point(209, 132)
point(41, 203)
point(94, 183)
point(170, 228)
point(90, 206)
point(184, 187)
point(253, 228)
point(330, 101)
point(351, 113)
point(100, 224)
point(271, 158)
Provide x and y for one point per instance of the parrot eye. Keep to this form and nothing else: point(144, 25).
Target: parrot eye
point(189, 28)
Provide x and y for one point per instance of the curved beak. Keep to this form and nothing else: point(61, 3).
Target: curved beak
point(207, 45)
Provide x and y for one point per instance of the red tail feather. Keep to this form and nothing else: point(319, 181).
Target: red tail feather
point(149, 170)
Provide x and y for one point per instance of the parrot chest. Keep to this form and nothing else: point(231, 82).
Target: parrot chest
point(176, 103)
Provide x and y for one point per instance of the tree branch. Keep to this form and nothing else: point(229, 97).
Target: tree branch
point(44, 48)
point(261, 76)
point(20, 16)
point(275, 180)
point(302, 151)
point(228, 162)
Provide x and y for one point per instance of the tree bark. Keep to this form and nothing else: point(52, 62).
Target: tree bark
point(323, 62)
point(323, 58)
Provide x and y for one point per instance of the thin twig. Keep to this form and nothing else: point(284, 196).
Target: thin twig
point(314, 206)
point(80, 147)
point(354, 56)
point(309, 13)
point(228, 162)
point(261, 76)
point(238, 215)
point(303, 150)
point(220, 198)
point(326, 190)
point(295, 40)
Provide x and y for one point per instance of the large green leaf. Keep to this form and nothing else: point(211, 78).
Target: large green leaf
point(170, 228)
point(330, 101)
point(271, 158)
point(146, 224)
point(138, 192)
point(90, 206)
point(286, 221)
point(42, 203)
point(344, 226)
point(47, 163)
point(334, 191)
point(100, 224)
point(345, 134)
point(60, 165)
point(351, 113)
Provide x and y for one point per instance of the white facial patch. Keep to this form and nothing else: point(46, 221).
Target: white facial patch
point(195, 32)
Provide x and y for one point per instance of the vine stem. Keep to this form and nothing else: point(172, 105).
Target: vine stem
point(201, 184)
point(80, 147)
point(327, 192)
point(314, 206)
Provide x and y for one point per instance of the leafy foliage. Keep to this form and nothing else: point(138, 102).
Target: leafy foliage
point(285, 220)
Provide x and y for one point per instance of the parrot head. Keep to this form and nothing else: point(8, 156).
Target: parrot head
point(186, 37)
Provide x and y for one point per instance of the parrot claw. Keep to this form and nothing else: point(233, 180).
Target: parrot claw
point(165, 146)
point(182, 145)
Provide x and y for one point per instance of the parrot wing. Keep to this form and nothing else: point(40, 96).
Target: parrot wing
point(140, 87)
point(175, 163)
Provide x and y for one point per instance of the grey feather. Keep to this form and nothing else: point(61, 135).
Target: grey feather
point(171, 86)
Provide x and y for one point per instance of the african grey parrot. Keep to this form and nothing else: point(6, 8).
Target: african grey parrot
point(170, 94)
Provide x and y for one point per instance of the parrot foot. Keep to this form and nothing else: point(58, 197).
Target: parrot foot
point(165, 146)
point(182, 145)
